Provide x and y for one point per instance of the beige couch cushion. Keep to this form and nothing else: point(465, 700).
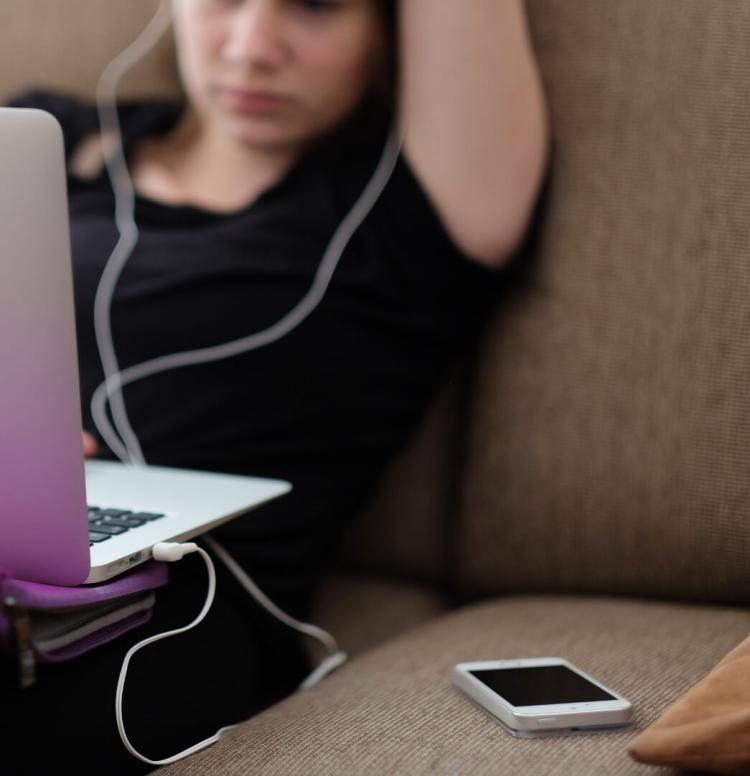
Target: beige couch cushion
point(393, 710)
point(609, 446)
point(363, 612)
point(406, 530)
point(65, 45)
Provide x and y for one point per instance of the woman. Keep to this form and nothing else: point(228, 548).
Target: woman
point(239, 189)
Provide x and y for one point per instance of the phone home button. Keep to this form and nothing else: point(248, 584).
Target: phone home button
point(546, 721)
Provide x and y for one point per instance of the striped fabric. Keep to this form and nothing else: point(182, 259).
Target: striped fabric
point(609, 450)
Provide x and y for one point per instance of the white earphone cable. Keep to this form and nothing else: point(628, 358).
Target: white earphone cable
point(122, 186)
point(127, 446)
point(122, 439)
point(116, 380)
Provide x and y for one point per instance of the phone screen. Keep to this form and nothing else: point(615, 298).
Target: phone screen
point(541, 685)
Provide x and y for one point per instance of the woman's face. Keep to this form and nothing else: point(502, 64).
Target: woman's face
point(277, 73)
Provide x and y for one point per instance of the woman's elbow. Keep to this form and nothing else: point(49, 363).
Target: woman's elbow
point(493, 230)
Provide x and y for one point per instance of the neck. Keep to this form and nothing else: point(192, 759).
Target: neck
point(226, 174)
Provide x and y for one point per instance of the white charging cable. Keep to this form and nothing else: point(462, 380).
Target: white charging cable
point(173, 551)
point(168, 552)
point(336, 657)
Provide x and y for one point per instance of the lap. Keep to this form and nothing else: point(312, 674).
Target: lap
point(178, 691)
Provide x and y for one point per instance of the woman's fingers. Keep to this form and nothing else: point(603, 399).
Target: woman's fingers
point(89, 445)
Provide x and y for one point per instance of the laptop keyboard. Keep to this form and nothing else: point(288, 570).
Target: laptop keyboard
point(106, 523)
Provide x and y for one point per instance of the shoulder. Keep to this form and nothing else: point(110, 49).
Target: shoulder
point(407, 215)
point(85, 145)
point(57, 103)
point(79, 122)
point(402, 225)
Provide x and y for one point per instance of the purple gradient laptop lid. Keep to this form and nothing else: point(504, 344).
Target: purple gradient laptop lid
point(43, 523)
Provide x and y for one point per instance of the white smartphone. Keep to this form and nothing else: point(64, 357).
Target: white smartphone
point(542, 696)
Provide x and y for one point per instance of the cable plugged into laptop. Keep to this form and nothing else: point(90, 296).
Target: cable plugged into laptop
point(174, 551)
point(171, 551)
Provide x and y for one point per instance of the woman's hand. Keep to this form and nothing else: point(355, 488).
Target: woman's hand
point(90, 448)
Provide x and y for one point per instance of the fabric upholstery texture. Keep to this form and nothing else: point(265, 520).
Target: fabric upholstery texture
point(608, 446)
point(404, 531)
point(363, 612)
point(67, 45)
point(393, 709)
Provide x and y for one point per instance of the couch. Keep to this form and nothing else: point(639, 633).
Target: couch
point(581, 487)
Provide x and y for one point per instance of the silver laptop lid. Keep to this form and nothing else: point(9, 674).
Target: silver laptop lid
point(43, 525)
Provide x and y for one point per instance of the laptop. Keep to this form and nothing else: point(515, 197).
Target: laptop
point(48, 533)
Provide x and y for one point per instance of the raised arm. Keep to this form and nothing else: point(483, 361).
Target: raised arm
point(475, 118)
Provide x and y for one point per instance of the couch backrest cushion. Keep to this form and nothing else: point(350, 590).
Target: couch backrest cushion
point(66, 45)
point(406, 530)
point(610, 444)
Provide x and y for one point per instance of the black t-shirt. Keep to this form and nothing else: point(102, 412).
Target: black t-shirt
point(329, 404)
